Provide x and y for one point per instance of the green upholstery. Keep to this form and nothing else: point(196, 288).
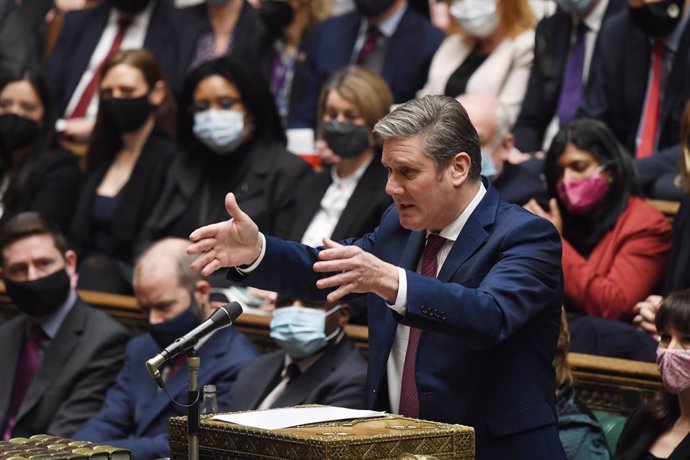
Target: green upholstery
point(612, 424)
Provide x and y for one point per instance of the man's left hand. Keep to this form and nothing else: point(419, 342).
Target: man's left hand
point(359, 271)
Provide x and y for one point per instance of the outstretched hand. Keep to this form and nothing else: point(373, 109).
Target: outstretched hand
point(226, 244)
point(357, 271)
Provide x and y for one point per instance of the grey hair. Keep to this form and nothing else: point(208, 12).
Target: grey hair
point(175, 249)
point(444, 125)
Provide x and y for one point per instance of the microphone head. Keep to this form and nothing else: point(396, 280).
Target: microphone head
point(226, 313)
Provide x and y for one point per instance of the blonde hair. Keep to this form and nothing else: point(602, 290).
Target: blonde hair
point(362, 88)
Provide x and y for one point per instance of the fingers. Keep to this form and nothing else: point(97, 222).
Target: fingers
point(553, 207)
point(233, 208)
point(332, 281)
point(329, 243)
point(203, 260)
point(209, 231)
point(211, 267)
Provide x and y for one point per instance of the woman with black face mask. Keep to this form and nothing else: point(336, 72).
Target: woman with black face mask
point(35, 175)
point(348, 197)
point(130, 151)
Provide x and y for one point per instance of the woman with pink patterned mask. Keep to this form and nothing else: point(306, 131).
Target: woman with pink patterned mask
point(661, 428)
point(615, 244)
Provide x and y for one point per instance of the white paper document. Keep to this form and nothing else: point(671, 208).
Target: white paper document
point(273, 419)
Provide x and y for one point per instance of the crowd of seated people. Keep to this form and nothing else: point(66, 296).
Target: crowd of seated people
point(134, 124)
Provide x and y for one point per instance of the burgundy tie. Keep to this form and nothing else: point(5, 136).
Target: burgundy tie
point(409, 399)
point(370, 42)
point(86, 96)
point(26, 370)
point(650, 117)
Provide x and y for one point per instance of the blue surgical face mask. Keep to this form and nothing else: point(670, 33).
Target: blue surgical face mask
point(300, 331)
point(488, 166)
point(222, 131)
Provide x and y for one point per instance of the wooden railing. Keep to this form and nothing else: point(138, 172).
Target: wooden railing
point(608, 384)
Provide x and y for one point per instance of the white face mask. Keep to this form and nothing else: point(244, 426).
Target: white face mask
point(488, 165)
point(222, 131)
point(478, 18)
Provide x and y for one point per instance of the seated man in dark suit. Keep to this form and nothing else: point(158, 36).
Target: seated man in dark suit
point(516, 176)
point(317, 363)
point(59, 355)
point(387, 36)
point(88, 37)
point(135, 414)
point(563, 55)
point(639, 85)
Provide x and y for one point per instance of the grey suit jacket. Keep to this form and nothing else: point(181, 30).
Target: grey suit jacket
point(338, 378)
point(77, 369)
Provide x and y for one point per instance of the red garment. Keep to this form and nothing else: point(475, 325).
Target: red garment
point(625, 266)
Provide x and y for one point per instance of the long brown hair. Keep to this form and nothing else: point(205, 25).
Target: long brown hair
point(105, 141)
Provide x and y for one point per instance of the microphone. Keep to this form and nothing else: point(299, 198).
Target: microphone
point(222, 317)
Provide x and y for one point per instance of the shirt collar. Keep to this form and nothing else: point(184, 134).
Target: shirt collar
point(354, 177)
point(51, 325)
point(452, 231)
point(388, 26)
point(595, 17)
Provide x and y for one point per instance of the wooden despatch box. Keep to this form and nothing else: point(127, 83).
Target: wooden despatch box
point(388, 437)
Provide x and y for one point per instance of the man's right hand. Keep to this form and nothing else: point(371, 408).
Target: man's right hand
point(226, 244)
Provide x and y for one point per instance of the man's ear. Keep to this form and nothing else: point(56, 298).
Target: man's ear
point(71, 266)
point(202, 292)
point(460, 168)
point(508, 142)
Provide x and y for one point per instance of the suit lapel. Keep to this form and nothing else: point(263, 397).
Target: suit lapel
point(358, 205)
point(298, 391)
point(10, 339)
point(266, 380)
point(473, 234)
point(55, 357)
point(309, 204)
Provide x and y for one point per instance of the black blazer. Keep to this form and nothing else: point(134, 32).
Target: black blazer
point(551, 46)
point(678, 273)
point(51, 189)
point(639, 434)
point(266, 192)
point(338, 378)
point(80, 34)
point(138, 198)
point(362, 212)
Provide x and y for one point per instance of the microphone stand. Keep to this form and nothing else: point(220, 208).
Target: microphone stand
point(193, 422)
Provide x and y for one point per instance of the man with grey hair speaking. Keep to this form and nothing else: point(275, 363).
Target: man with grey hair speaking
point(464, 290)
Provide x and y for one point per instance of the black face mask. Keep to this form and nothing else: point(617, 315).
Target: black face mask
point(657, 20)
point(126, 114)
point(345, 139)
point(373, 8)
point(41, 297)
point(16, 133)
point(276, 14)
point(131, 7)
point(168, 331)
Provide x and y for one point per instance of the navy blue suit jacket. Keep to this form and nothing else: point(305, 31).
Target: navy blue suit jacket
point(551, 46)
point(135, 413)
point(79, 37)
point(489, 322)
point(405, 67)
